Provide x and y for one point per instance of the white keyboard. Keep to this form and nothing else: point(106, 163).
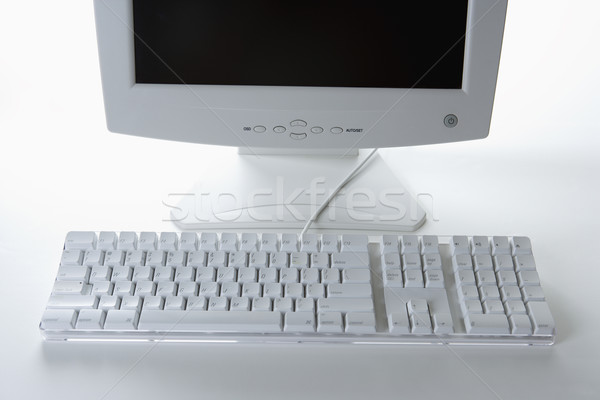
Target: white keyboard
point(276, 288)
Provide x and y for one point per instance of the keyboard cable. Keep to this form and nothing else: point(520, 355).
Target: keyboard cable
point(335, 191)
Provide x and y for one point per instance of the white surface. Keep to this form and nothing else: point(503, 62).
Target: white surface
point(537, 174)
point(217, 114)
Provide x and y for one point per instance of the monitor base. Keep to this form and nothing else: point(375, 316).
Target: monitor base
point(282, 192)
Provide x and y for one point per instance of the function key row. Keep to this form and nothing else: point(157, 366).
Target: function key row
point(238, 259)
point(496, 245)
point(209, 241)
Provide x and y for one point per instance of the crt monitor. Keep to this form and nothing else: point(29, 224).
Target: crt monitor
point(308, 77)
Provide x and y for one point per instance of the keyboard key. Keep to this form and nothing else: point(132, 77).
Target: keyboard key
point(355, 243)
point(533, 293)
point(107, 241)
point(309, 275)
point(289, 242)
point(259, 259)
point(330, 275)
point(416, 306)
point(299, 322)
point(350, 260)
point(215, 321)
point(114, 258)
point(500, 245)
point(309, 243)
point(471, 307)
point(249, 242)
point(90, 319)
point(542, 321)
point(108, 302)
point(390, 244)
point(127, 241)
point(459, 245)
point(58, 319)
point(73, 274)
point(420, 323)
point(360, 275)
point(71, 258)
point(434, 279)
point(520, 324)
point(174, 303)
point(330, 322)
point(188, 241)
point(344, 304)
point(486, 324)
point(208, 241)
point(319, 260)
point(398, 323)
point(521, 245)
point(409, 244)
point(299, 260)
point(70, 287)
point(442, 324)
point(245, 275)
point(360, 322)
point(514, 307)
point(239, 304)
point(305, 305)
point(393, 278)
point(349, 290)
point(524, 262)
point(80, 240)
point(413, 278)
point(206, 274)
point(148, 241)
point(93, 258)
point(121, 320)
point(229, 242)
point(465, 277)
point(430, 245)
point(131, 303)
point(218, 304)
point(154, 303)
point(432, 261)
point(283, 305)
point(168, 241)
point(462, 262)
point(330, 243)
point(196, 259)
point(73, 302)
point(411, 261)
point(528, 278)
point(481, 245)
point(391, 260)
point(504, 262)
point(261, 304)
point(269, 242)
point(279, 260)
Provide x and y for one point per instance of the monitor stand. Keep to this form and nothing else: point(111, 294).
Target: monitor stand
point(283, 191)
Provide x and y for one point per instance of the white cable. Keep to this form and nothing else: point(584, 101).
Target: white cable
point(335, 191)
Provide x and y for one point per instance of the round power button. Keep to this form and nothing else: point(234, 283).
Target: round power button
point(451, 120)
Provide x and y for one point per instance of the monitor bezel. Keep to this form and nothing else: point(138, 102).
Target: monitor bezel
point(228, 115)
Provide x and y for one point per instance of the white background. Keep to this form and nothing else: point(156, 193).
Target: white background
point(537, 174)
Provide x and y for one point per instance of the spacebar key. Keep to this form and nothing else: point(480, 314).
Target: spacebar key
point(210, 321)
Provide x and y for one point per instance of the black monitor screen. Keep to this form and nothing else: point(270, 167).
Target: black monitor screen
point(349, 43)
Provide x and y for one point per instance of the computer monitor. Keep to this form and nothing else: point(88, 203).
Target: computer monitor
point(306, 77)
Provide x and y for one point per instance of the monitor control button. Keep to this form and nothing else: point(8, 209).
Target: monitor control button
point(279, 129)
point(260, 129)
point(298, 136)
point(298, 122)
point(451, 120)
point(316, 129)
point(337, 130)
